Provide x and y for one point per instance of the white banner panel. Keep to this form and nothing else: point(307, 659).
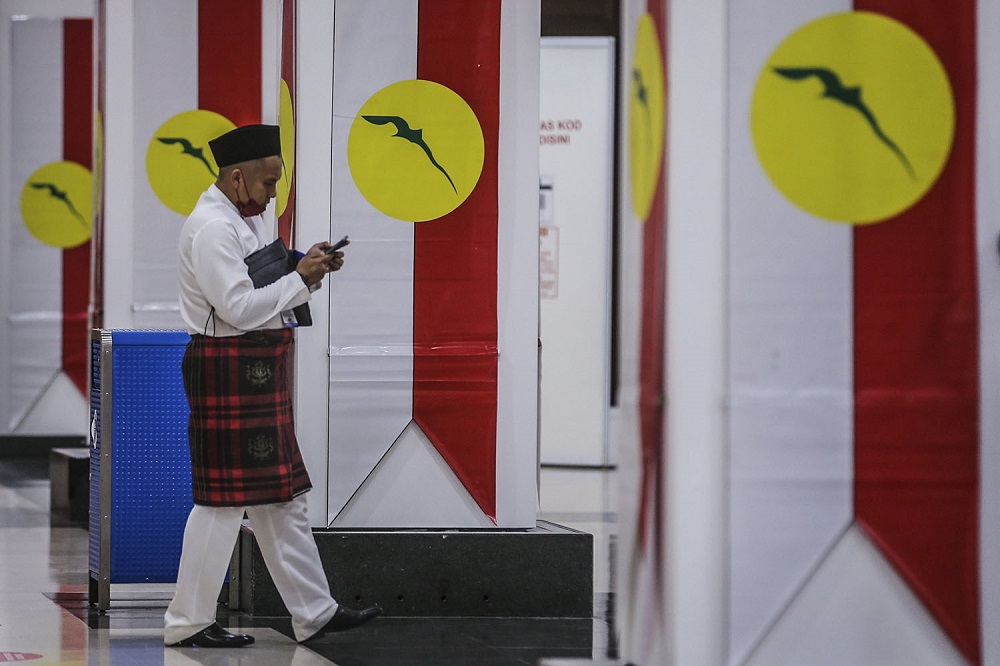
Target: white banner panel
point(856, 610)
point(32, 331)
point(576, 124)
point(371, 329)
point(166, 84)
point(790, 354)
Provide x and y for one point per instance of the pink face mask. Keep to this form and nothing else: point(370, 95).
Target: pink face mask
point(249, 208)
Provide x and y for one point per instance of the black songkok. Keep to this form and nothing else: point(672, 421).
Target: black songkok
point(250, 142)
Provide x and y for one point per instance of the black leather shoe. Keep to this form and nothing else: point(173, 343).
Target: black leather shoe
point(214, 636)
point(345, 618)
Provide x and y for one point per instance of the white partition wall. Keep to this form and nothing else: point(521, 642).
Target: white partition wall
point(576, 147)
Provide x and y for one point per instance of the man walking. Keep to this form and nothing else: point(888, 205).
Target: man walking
point(244, 455)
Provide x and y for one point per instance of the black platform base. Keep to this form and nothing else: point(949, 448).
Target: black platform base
point(543, 572)
point(36, 446)
point(69, 481)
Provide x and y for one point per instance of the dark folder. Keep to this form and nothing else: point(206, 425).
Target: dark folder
point(272, 262)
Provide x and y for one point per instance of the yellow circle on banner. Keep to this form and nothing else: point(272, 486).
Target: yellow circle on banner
point(416, 150)
point(179, 163)
point(646, 114)
point(286, 123)
point(853, 117)
point(56, 204)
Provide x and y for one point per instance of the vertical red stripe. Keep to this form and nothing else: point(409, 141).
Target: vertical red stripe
point(286, 223)
point(229, 59)
point(652, 346)
point(455, 259)
point(78, 124)
point(916, 357)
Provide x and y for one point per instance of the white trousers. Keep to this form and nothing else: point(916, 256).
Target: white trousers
point(290, 553)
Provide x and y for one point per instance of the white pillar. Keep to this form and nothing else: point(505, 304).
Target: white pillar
point(119, 163)
point(517, 334)
point(696, 333)
point(314, 136)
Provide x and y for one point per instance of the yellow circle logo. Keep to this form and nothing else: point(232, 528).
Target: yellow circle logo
point(286, 123)
point(179, 163)
point(853, 117)
point(56, 204)
point(646, 117)
point(416, 150)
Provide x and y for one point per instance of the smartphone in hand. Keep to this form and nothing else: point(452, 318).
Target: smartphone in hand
point(336, 246)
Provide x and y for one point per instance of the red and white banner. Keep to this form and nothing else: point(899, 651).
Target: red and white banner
point(854, 343)
point(202, 55)
point(414, 331)
point(414, 324)
point(47, 262)
point(643, 600)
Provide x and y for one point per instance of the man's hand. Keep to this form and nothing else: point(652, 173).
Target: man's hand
point(316, 263)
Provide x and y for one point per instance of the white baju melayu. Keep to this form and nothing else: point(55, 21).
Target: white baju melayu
point(211, 271)
point(215, 239)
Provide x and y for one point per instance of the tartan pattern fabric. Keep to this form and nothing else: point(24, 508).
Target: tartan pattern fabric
point(241, 429)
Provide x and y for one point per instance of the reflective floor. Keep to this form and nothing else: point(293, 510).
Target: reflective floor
point(45, 617)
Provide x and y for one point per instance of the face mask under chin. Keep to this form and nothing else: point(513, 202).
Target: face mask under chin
point(249, 208)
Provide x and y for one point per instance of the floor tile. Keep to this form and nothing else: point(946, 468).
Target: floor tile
point(44, 607)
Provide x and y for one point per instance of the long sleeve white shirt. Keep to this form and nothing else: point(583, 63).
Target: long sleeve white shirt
point(211, 272)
